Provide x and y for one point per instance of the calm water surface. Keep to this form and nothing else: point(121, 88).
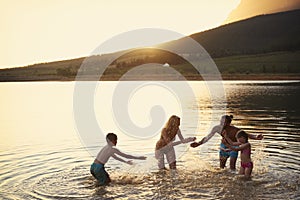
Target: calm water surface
point(42, 156)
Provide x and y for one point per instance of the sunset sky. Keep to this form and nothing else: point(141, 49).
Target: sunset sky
point(35, 31)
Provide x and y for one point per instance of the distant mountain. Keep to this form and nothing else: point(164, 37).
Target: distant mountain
point(267, 45)
point(250, 8)
point(260, 34)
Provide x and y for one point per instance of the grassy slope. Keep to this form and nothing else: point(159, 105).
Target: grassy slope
point(275, 62)
point(263, 66)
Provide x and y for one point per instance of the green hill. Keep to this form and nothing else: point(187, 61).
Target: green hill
point(266, 45)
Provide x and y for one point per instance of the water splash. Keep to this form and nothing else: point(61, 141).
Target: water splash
point(145, 167)
point(258, 157)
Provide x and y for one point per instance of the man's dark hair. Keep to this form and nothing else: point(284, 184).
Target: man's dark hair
point(228, 118)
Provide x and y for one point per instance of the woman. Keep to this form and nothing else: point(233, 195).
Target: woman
point(165, 145)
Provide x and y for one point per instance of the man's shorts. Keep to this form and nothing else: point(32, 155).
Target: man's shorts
point(232, 154)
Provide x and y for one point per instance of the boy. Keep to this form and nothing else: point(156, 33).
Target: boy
point(97, 168)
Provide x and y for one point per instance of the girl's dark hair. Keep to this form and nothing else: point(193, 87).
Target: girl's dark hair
point(243, 134)
point(228, 118)
point(111, 137)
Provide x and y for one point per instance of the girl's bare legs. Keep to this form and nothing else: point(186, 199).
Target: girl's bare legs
point(242, 170)
point(248, 172)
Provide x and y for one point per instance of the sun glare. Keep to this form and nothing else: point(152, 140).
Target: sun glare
point(42, 31)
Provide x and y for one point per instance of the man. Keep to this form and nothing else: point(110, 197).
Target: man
point(226, 130)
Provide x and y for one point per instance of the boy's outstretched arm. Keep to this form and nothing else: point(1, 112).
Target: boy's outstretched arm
point(118, 152)
point(120, 159)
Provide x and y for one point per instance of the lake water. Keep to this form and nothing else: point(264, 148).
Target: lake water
point(45, 155)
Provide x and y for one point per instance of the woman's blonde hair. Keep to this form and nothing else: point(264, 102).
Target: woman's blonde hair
point(169, 131)
point(171, 128)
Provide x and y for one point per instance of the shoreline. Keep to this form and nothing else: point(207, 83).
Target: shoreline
point(224, 77)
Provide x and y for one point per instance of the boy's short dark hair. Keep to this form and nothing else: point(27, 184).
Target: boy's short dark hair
point(111, 137)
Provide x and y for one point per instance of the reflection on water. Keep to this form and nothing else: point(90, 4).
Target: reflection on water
point(41, 156)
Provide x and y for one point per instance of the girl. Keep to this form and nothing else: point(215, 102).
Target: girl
point(245, 148)
point(165, 145)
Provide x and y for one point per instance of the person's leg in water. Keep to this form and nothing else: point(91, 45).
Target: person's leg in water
point(233, 158)
point(242, 170)
point(99, 172)
point(246, 169)
point(171, 158)
point(159, 155)
point(233, 163)
point(172, 165)
point(248, 172)
point(223, 156)
point(108, 180)
point(223, 160)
